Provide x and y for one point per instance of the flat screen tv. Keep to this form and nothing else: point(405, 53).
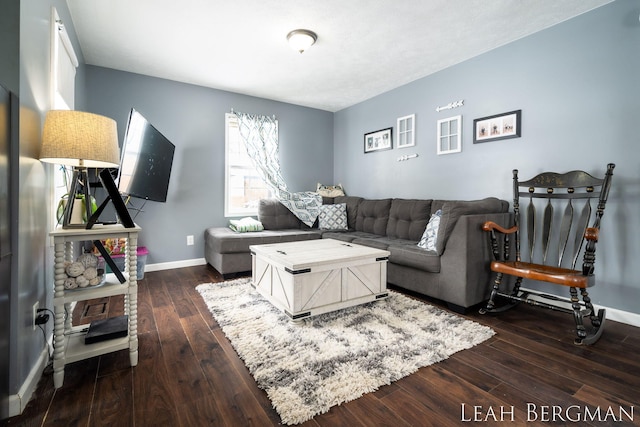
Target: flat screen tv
point(146, 160)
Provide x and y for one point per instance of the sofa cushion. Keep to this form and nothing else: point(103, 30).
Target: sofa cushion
point(224, 240)
point(333, 217)
point(372, 241)
point(275, 216)
point(408, 218)
point(373, 216)
point(352, 208)
point(452, 210)
point(338, 235)
point(410, 255)
point(349, 236)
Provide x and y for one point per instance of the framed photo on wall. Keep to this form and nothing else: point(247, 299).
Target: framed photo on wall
point(501, 126)
point(378, 140)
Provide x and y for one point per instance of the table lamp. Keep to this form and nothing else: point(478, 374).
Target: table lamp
point(81, 140)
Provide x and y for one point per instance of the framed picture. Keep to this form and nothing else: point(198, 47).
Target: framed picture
point(406, 131)
point(378, 140)
point(501, 126)
point(449, 135)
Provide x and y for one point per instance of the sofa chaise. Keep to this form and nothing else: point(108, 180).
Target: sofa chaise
point(454, 269)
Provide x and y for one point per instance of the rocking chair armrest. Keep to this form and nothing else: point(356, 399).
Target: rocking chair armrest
point(490, 225)
point(592, 234)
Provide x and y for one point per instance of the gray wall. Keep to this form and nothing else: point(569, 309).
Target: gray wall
point(29, 267)
point(192, 117)
point(25, 69)
point(577, 86)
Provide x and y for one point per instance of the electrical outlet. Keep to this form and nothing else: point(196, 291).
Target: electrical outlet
point(35, 314)
point(190, 240)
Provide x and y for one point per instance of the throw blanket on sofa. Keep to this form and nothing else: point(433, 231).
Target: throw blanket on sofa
point(304, 205)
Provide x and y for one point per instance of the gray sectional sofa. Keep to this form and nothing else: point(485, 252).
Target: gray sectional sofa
point(456, 271)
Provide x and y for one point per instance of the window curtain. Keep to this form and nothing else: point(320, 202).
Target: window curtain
point(260, 135)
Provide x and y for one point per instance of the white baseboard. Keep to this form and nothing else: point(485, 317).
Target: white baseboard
point(614, 314)
point(629, 318)
point(174, 264)
point(18, 402)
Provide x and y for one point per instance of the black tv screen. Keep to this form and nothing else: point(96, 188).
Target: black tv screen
point(145, 164)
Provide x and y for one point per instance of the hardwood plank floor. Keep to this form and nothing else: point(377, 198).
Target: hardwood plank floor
point(189, 375)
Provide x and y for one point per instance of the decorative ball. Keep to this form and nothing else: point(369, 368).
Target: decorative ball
point(75, 269)
point(70, 283)
point(90, 273)
point(95, 281)
point(82, 281)
point(88, 260)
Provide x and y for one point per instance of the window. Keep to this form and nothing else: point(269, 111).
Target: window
point(63, 77)
point(449, 135)
point(243, 185)
point(64, 63)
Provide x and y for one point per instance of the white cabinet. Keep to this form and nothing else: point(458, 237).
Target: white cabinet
point(68, 340)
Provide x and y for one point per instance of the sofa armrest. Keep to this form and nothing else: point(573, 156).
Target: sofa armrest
point(452, 210)
point(465, 274)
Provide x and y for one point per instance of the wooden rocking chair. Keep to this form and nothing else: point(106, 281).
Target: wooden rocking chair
point(550, 261)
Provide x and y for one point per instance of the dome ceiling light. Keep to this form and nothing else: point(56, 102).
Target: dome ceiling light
point(301, 40)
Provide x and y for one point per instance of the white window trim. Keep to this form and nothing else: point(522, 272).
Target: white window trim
point(227, 118)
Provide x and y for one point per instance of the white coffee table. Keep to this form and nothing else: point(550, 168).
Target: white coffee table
point(312, 277)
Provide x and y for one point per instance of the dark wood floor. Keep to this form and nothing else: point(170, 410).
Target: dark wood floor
point(189, 375)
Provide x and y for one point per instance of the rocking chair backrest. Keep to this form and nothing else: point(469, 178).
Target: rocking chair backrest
point(556, 196)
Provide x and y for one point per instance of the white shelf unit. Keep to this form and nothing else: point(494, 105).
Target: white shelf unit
point(68, 340)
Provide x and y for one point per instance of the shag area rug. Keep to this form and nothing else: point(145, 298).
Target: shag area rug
point(336, 357)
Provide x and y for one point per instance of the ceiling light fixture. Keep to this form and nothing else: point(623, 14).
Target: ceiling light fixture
point(301, 40)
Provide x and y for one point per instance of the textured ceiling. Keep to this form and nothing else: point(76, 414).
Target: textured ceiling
point(364, 47)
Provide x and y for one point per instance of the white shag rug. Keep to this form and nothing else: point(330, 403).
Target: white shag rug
point(335, 357)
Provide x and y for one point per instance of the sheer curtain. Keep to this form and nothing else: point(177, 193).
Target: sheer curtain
point(260, 135)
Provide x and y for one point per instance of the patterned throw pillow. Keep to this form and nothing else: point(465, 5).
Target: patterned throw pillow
point(333, 217)
point(430, 235)
point(330, 190)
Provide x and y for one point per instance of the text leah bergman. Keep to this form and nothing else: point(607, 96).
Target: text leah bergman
point(547, 413)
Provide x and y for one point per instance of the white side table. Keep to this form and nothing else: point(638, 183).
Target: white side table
point(68, 340)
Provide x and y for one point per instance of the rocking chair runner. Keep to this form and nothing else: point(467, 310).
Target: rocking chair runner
point(550, 261)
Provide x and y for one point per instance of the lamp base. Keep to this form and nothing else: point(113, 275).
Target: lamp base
point(76, 214)
point(80, 178)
